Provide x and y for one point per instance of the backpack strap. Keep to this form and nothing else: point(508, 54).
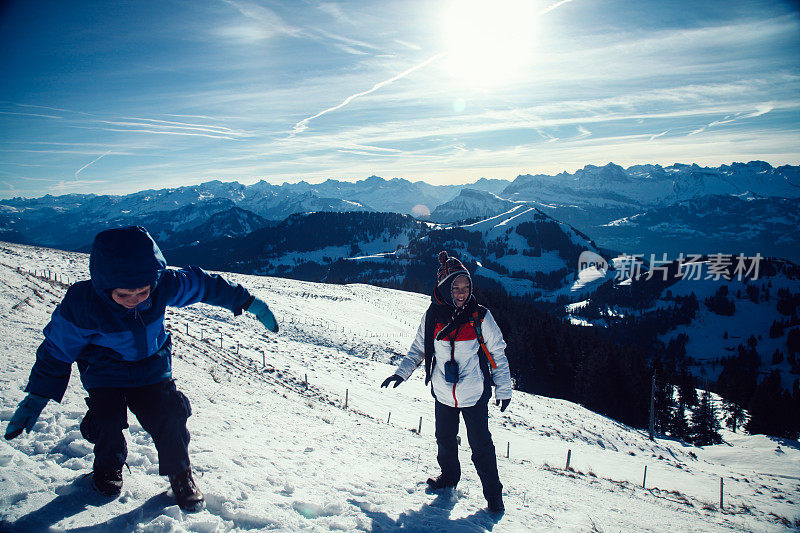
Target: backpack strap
point(430, 324)
point(476, 323)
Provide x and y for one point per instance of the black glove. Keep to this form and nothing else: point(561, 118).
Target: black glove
point(503, 404)
point(393, 377)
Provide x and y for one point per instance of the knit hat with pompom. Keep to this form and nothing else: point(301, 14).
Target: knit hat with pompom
point(449, 269)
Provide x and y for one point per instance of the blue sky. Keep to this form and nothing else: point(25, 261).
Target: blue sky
point(114, 97)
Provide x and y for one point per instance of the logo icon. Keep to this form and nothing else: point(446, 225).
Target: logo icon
point(589, 259)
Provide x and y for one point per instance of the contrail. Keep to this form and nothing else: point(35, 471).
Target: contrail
point(303, 124)
point(552, 7)
point(91, 163)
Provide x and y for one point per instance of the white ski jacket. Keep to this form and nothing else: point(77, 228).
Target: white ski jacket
point(469, 388)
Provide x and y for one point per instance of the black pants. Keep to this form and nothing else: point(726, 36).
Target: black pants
point(162, 411)
point(476, 418)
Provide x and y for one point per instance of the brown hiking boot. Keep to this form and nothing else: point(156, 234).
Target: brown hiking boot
point(189, 497)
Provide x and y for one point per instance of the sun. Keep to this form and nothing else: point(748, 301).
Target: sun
point(489, 42)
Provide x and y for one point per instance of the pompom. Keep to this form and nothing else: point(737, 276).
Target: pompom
point(443, 258)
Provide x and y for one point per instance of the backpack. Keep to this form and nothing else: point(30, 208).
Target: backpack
point(485, 358)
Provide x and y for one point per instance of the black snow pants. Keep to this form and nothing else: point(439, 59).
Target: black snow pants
point(161, 409)
point(476, 419)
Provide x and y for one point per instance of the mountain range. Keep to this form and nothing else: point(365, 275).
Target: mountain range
point(619, 208)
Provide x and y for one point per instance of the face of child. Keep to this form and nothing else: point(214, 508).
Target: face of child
point(460, 290)
point(130, 298)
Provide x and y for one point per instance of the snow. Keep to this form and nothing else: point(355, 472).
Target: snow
point(590, 277)
point(271, 452)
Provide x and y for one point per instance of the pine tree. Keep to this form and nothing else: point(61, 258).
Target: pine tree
point(665, 406)
point(687, 397)
point(705, 425)
point(793, 340)
point(735, 415)
point(770, 409)
point(678, 425)
point(796, 406)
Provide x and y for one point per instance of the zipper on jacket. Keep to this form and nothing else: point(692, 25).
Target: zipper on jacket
point(453, 337)
point(140, 340)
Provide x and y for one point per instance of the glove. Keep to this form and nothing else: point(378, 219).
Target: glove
point(26, 415)
point(393, 377)
point(263, 314)
point(503, 404)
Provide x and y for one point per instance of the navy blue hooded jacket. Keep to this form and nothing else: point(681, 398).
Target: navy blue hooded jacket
point(115, 346)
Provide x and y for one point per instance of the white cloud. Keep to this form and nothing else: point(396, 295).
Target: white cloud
point(335, 11)
point(268, 22)
point(63, 187)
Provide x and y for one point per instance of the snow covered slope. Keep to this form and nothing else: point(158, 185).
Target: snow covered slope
point(274, 453)
point(471, 203)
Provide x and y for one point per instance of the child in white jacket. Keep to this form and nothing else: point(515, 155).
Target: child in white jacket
point(464, 354)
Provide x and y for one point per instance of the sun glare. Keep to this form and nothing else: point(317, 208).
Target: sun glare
point(489, 42)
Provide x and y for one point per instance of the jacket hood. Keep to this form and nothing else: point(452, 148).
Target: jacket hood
point(125, 258)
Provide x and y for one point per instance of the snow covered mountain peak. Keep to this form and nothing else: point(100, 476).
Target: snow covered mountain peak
point(471, 203)
point(651, 185)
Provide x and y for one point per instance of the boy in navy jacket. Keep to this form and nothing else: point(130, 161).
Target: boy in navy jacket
point(112, 326)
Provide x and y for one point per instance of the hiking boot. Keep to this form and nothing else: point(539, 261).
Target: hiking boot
point(108, 483)
point(441, 482)
point(189, 497)
point(495, 504)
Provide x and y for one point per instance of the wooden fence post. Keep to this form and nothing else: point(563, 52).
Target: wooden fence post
point(419, 431)
point(644, 479)
point(508, 449)
point(721, 483)
point(569, 456)
point(390, 417)
point(346, 397)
